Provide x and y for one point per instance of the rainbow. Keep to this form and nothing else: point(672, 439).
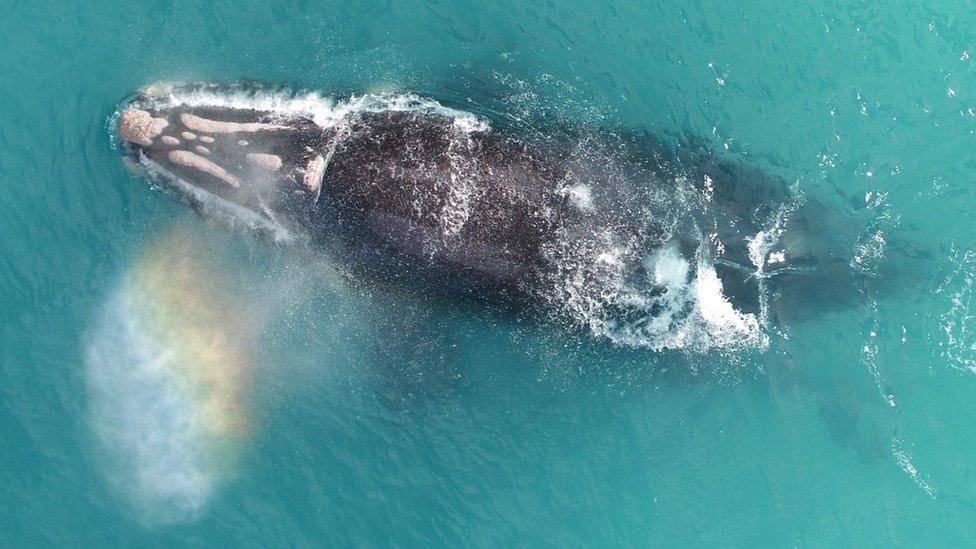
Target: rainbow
point(169, 365)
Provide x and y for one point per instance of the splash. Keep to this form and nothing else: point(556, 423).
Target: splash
point(631, 264)
point(906, 464)
point(325, 111)
point(958, 322)
point(169, 365)
point(680, 304)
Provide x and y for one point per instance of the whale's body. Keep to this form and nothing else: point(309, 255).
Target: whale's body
point(396, 186)
point(639, 249)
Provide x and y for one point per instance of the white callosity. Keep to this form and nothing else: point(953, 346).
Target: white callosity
point(205, 125)
point(314, 174)
point(191, 160)
point(138, 126)
point(269, 162)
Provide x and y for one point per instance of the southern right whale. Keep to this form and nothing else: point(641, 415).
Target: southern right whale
point(619, 234)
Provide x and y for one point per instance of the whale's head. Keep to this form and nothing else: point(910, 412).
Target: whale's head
point(268, 163)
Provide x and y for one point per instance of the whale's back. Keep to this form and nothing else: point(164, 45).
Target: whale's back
point(426, 190)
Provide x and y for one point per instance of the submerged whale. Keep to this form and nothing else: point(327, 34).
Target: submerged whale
point(613, 232)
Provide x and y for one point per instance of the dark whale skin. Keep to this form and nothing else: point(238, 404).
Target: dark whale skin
point(387, 190)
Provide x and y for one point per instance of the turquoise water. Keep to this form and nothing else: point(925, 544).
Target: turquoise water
point(361, 416)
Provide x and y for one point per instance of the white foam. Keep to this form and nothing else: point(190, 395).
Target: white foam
point(762, 255)
point(672, 310)
point(904, 460)
point(958, 321)
point(465, 188)
point(579, 195)
point(776, 257)
point(668, 267)
point(619, 271)
point(722, 321)
point(869, 253)
point(321, 109)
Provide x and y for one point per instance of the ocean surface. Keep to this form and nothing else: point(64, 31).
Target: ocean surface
point(170, 380)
